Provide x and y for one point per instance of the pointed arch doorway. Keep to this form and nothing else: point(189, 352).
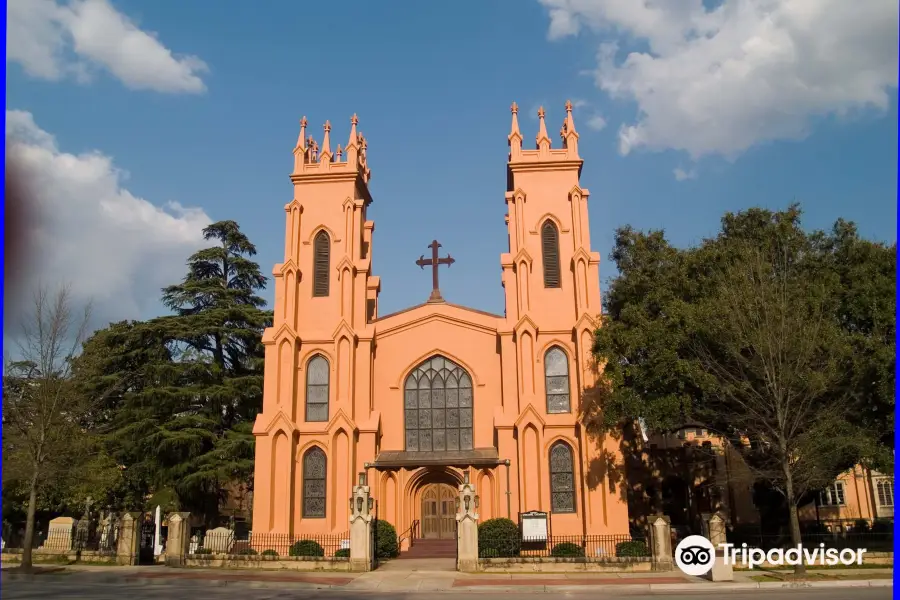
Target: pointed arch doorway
point(438, 512)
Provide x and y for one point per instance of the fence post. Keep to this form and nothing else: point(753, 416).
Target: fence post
point(129, 539)
point(720, 571)
point(362, 549)
point(661, 543)
point(467, 529)
point(178, 539)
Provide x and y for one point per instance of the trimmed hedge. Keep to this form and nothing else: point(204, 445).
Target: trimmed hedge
point(386, 540)
point(342, 553)
point(632, 549)
point(498, 538)
point(270, 552)
point(306, 548)
point(567, 549)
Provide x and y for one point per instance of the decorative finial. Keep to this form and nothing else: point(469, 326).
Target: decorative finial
point(568, 106)
point(354, 120)
point(514, 108)
point(541, 112)
point(340, 152)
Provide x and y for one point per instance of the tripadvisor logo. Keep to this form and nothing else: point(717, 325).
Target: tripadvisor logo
point(695, 556)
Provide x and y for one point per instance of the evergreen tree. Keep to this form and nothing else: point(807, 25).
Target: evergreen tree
point(192, 381)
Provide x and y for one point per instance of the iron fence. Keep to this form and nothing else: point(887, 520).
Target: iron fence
point(589, 547)
point(97, 538)
point(271, 545)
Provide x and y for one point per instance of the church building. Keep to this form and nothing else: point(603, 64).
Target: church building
point(421, 399)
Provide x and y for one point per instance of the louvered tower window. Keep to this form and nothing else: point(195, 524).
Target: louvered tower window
point(550, 249)
point(321, 264)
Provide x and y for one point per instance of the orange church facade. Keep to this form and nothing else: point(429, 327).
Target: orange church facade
point(418, 398)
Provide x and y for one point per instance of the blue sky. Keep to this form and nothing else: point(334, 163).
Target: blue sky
point(432, 84)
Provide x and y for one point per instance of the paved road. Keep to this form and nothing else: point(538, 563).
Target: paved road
point(79, 590)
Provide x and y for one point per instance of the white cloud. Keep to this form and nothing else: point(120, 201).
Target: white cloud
point(53, 41)
point(596, 122)
point(682, 175)
point(115, 249)
point(749, 71)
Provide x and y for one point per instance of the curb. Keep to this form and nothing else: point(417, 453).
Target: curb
point(113, 578)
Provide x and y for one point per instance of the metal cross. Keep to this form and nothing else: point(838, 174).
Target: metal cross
point(435, 262)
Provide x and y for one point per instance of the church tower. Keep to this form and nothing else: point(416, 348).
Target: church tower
point(325, 298)
point(551, 282)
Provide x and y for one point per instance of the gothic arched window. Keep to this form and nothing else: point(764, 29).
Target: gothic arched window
point(317, 373)
point(550, 252)
point(438, 407)
point(314, 464)
point(556, 376)
point(321, 263)
point(562, 478)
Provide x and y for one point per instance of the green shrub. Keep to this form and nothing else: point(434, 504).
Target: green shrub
point(203, 551)
point(881, 526)
point(861, 526)
point(500, 536)
point(270, 552)
point(386, 540)
point(632, 549)
point(488, 553)
point(306, 548)
point(342, 553)
point(247, 552)
point(567, 549)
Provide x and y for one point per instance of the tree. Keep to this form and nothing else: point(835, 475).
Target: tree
point(769, 340)
point(192, 381)
point(45, 437)
point(684, 340)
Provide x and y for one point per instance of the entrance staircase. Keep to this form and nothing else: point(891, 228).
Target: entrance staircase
point(426, 548)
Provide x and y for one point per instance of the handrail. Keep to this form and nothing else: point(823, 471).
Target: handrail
point(412, 534)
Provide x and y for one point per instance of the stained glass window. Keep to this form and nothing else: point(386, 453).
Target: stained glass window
point(437, 401)
point(317, 389)
point(314, 484)
point(562, 479)
point(556, 373)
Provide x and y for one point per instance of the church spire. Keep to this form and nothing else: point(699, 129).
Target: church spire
point(301, 139)
point(352, 147)
point(325, 155)
point(570, 136)
point(515, 136)
point(542, 136)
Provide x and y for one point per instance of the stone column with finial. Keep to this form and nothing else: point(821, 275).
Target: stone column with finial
point(362, 547)
point(467, 527)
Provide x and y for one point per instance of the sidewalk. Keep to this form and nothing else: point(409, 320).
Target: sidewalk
point(397, 581)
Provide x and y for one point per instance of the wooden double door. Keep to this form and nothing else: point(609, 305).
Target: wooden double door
point(439, 512)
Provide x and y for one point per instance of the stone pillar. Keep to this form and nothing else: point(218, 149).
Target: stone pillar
point(720, 571)
point(129, 539)
point(467, 528)
point(362, 548)
point(179, 539)
point(661, 543)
